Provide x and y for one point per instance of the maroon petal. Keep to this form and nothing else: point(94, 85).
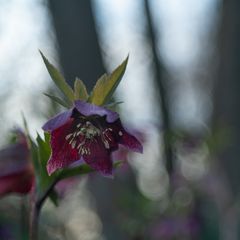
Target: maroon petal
point(57, 121)
point(99, 157)
point(62, 152)
point(21, 182)
point(125, 138)
point(130, 142)
point(14, 159)
point(88, 109)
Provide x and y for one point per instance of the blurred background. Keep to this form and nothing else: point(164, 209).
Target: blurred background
point(181, 98)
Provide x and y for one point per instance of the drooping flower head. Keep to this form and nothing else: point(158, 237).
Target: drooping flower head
point(16, 172)
point(87, 133)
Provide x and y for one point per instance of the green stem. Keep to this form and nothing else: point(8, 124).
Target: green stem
point(23, 220)
point(36, 209)
point(34, 220)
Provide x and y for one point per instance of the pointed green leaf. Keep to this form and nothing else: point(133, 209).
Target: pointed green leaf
point(35, 159)
point(45, 180)
point(33, 151)
point(80, 91)
point(44, 152)
point(113, 105)
point(54, 197)
point(47, 138)
point(25, 124)
point(70, 172)
point(106, 85)
point(59, 79)
point(57, 100)
point(81, 170)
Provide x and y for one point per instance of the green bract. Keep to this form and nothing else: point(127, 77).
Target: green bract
point(106, 85)
point(80, 91)
point(59, 80)
point(57, 100)
point(101, 93)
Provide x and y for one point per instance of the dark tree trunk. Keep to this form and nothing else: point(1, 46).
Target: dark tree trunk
point(227, 90)
point(226, 115)
point(77, 41)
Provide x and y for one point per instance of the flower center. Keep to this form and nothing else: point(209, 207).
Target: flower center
point(85, 134)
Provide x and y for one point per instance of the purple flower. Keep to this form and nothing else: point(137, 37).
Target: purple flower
point(87, 133)
point(16, 172)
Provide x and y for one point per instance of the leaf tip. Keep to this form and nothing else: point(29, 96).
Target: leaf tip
point(42, 55)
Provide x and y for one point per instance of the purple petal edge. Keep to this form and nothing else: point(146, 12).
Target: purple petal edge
point(57, 121)
point(88, 109)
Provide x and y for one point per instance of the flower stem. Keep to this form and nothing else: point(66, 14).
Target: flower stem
point(34, 220)
point(36, 209)
point(23, 219)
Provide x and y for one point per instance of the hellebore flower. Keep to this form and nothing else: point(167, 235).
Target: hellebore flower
point(16, 172)
point(87, 133)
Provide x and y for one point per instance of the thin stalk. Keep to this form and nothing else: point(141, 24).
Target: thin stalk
point(34, 222)
point(36, 209)
point(23, 219)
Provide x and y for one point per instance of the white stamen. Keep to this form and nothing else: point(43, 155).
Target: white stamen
point(71, 141)
point(68, 136)
point(73, 144)
point(120, 133)
point(88, 151)
point(80, 144)
point(106, 144)
point(78, 133)
point(106, 136)
point(88, 123)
